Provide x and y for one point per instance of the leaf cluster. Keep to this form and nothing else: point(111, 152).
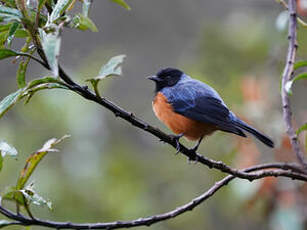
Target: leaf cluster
point(39, 25)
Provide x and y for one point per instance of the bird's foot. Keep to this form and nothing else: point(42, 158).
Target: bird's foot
point(194, 149)
point(176, 138)
point(193, 161)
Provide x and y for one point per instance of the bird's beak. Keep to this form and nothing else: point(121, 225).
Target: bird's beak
point(154, 78)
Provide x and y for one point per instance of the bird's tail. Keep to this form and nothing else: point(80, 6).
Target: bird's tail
point(263, 138)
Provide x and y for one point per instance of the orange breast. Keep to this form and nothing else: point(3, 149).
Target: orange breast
point(192, 130)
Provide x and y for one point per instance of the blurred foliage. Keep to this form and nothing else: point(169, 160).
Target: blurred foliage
point(109, 171)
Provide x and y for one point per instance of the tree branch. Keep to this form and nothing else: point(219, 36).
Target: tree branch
point(286, 78)
point(147, 221)
point(290, 170)
point(191, 154)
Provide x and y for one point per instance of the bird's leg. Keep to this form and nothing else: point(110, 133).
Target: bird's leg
point(194, 149)
point(176, 138)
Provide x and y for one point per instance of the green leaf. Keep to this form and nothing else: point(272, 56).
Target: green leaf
point(300, 76)
point(29, 90)
point(44, 80)
point(10, 101)
point(6, 149)
point(32, 197)
point(21, 73)
point(86, 7)
point(112, 68)
point(12, 32)
point(12, 194)
point(83, 23)
point(289, 84)
point(30, 93)
point(5, 27)
point(5, 53)
point(41, 4)
point(122, 3)
point(300, 64)
point(51, 45)
point(10, 14)
point(301, 129)
point(10, 3)
point(3, 37)
point(59, 9)
point(34, 159)
point(20, 33)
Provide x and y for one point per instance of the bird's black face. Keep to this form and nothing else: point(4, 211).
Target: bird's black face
point(166, 78)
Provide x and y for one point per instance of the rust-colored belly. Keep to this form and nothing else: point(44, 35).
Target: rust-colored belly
point(192, 130)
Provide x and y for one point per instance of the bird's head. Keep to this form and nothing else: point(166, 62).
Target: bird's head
point(167, 77)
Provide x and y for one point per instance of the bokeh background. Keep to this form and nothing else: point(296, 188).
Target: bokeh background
point(109, 170)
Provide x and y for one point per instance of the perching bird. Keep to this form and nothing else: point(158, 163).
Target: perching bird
point(193, 109)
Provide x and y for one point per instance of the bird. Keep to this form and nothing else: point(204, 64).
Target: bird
point(193, 109)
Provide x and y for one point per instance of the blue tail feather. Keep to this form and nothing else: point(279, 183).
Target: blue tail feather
point(263, 138)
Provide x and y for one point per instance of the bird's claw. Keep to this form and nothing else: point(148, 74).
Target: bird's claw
point(194, 161)
point(176, 138)
point(194, 149)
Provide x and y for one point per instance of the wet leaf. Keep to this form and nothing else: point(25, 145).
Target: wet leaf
point(10, 101)
point(59, 9)
point(51, 45)
point(33, 197)
point(10, 14)
point(112, 68)
point(6, 149)
point(34, 86)
point(34, 159)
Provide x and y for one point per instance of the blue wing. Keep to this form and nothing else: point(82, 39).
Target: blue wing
point(198, 101)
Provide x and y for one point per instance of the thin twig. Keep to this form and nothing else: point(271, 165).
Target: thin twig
point(286, 77)
point(146, 221)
